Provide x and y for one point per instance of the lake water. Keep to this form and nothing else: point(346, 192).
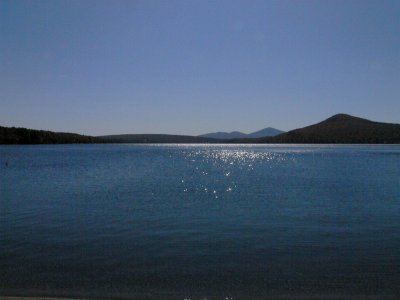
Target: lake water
point(200, 221)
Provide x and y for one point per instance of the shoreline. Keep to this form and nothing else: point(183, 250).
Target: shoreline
point(221, 297)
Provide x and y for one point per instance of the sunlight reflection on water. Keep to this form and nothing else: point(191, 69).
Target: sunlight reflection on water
point(218, 170)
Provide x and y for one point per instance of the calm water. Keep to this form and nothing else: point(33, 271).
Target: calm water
point(196, 221)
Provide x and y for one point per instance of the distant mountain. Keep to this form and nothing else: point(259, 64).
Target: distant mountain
point(338, 129)
point(269, 131)
point(13, 135)
point(156, 138)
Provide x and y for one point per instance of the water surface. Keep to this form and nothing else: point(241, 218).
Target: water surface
point(194, 221)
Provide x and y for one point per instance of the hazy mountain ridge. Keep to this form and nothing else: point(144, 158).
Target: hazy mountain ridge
point(269, 131)
point(338, 129)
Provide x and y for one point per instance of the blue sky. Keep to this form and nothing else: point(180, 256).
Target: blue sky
point(191, 67)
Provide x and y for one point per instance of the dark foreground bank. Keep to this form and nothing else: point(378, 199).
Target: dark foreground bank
point(185, 297)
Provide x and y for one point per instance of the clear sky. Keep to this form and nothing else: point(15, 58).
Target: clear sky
point(191, 67)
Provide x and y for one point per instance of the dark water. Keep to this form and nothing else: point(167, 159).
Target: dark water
point(182, 222)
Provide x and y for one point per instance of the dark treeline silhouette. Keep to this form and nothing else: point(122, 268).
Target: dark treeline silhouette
point(13, 135)
point(338, 129)
point(157, 139)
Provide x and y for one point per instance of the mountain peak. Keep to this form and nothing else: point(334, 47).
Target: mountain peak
point(342, 128)
point(341, 116)
point(269, 131)
point(345, 117)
